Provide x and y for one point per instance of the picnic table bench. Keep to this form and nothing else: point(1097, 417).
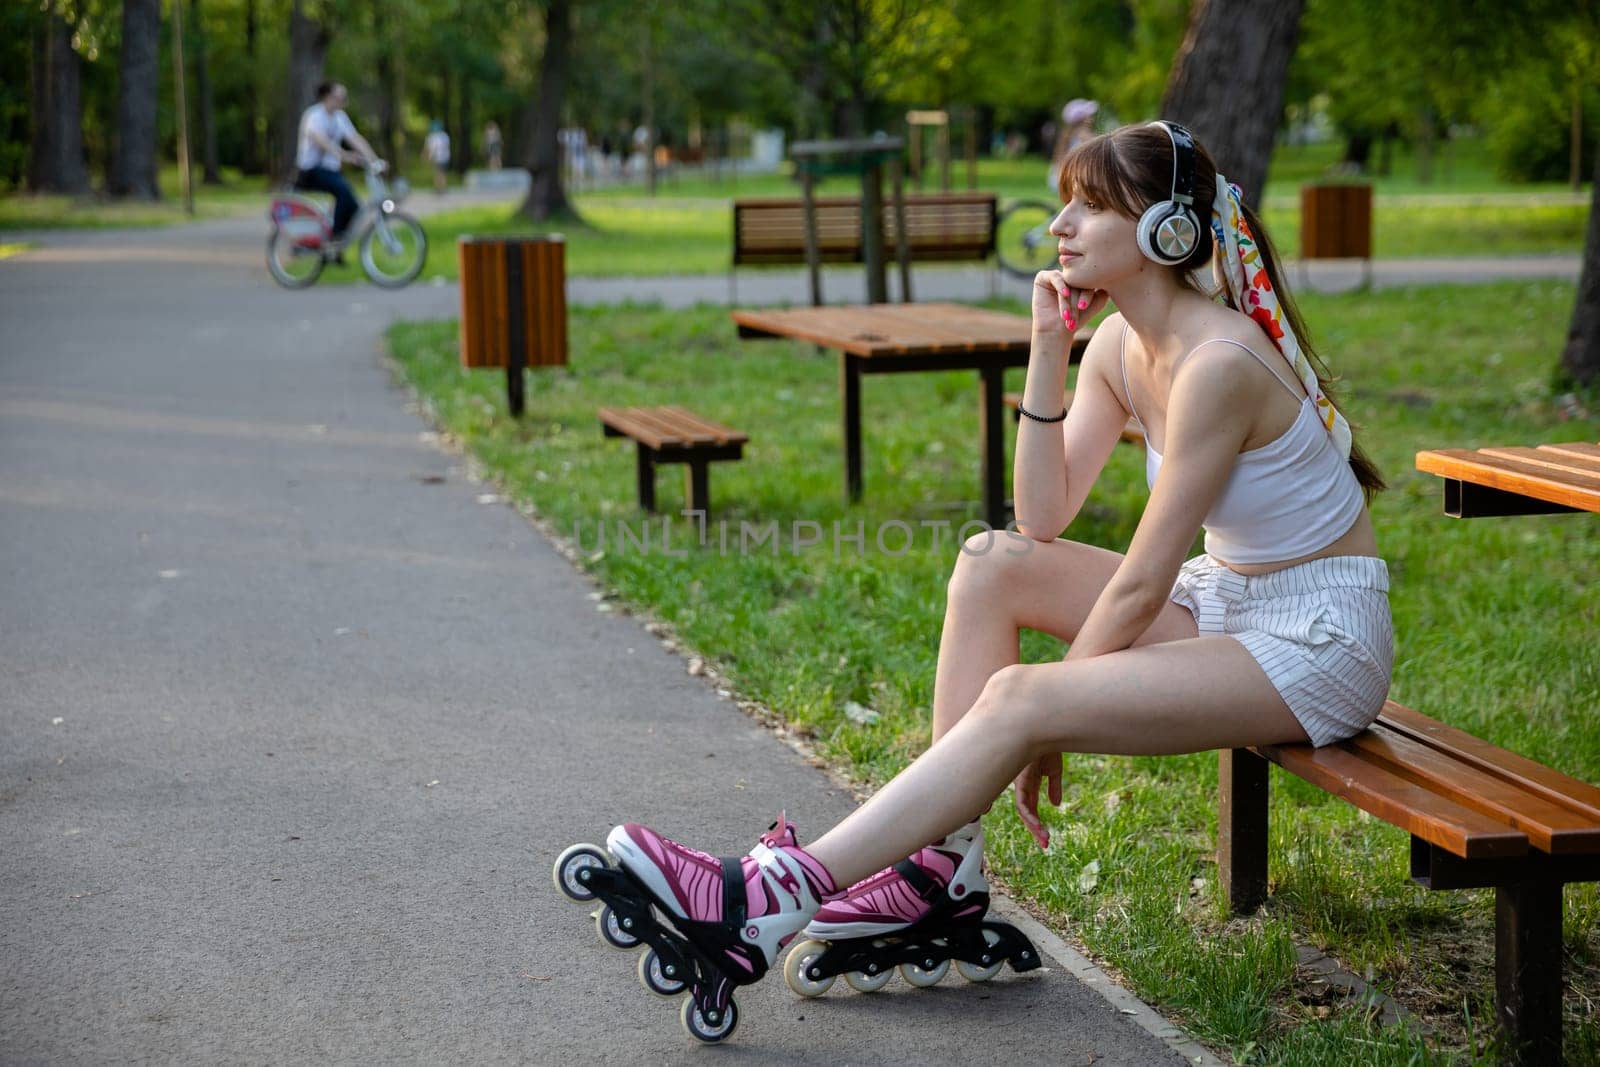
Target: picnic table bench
point(1478, 815)
point(674, 435)
point(769, 231)
point(1514, 480)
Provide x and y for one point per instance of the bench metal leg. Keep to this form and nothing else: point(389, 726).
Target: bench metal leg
point(1242, 828)
point(697, 485)
point(647, 477)
point(1527, 963)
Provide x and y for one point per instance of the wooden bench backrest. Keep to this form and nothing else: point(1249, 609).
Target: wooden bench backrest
point(1471, 798)
point(938, 226)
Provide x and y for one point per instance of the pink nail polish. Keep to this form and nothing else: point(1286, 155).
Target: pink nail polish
point(1072, 324)
point(1083, 303)
point(1066, 316)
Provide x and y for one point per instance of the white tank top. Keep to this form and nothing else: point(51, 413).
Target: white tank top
point(1289, 498)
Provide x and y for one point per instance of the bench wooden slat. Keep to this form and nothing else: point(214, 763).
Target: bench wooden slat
point(1547, 458)
point(1551, 827)
point(1413, 808)
point(648, 426)
point(723, 435)
point(1534, 777)
point(937, 226)
point(1582, 449)
point(673, 431)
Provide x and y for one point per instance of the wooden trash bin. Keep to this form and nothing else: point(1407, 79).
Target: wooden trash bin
point(513, 306)
point(513, 298)
point(1336, 223)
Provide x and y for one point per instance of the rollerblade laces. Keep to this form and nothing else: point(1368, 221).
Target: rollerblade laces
point(918, 915)
point(710, 924)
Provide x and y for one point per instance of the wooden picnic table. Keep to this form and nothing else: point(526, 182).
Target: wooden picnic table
point(1513, 480)
point(906, 338)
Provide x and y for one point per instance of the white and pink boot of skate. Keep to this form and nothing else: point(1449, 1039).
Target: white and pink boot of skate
point(918, 915)
point(726, 920)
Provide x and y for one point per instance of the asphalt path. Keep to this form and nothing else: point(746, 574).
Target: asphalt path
point(294, 717)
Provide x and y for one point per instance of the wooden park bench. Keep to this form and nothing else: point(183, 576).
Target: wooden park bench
point(1478, 816)
point(673, 435)
point(1132, 432)
point(771, 231)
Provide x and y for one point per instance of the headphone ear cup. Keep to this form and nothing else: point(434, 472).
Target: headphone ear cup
point(1167, 233)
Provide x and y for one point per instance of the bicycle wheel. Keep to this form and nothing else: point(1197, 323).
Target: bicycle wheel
point(1023, 239)
point(393, 251)
point(292, 263)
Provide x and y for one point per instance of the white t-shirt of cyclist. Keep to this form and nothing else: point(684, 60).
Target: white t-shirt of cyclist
point(336, 127)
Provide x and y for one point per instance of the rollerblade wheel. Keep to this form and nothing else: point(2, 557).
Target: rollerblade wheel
point(694, 1021)
point(801, 957)
point(613, 929)
point(570, 865)
point(973, 972)
point(653, 976)
point(862, 982)
point(922, 979)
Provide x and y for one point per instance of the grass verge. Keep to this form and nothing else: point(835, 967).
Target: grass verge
point(634, 236)
point(1496, 622)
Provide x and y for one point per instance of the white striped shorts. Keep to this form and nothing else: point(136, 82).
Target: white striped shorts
point(1320, 630)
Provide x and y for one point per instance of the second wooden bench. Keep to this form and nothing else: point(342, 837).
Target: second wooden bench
point(674, 435)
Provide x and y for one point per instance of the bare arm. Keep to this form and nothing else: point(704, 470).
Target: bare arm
point(1056, 464)
point(1209, 417)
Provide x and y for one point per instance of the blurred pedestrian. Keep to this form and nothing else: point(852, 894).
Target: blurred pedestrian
point(436, 150)
point(1077, 126)
point(493, 146)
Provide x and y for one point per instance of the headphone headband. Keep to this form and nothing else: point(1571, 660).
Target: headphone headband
point(1182, 162)
point(1169, 231)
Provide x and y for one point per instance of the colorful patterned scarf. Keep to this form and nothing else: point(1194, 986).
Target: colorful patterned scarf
point(1250, 290)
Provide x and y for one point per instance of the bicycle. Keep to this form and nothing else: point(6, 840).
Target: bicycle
point(392, 245)
point(1023, 240)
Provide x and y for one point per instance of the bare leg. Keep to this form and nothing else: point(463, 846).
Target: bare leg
point(1181, 696)
point(993, 595)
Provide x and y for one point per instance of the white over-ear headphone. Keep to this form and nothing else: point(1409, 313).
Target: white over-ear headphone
point(1169, 231)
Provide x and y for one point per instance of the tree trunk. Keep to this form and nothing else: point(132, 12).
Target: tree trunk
point(208, 111)
point(56, 154)
point(254, 155)
point(133, 162)
point(308, 50)
point(388, 69)
point(1581, 357)
point(1229, 90)
point(541, 154)
point(461, 141)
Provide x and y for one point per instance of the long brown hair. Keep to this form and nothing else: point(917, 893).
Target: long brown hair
point(1129, 169)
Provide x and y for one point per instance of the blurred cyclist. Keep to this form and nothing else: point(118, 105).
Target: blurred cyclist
point(325, 130)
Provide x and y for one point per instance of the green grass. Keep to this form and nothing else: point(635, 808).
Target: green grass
point(687, 227)
point(632, 236)
point(237, 195)
point(1496, 622)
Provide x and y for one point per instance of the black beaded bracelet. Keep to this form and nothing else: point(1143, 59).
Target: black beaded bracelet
point(1040, 418)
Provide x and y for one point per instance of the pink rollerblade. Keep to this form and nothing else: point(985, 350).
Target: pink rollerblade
point(711, 924)
point(919, 914)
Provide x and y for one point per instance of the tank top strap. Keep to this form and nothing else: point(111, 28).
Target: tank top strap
point(1299, 394)
point(1126, 390)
